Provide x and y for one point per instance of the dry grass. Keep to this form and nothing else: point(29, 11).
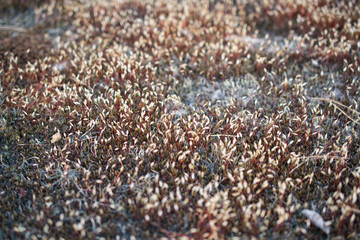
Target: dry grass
point(126, 119)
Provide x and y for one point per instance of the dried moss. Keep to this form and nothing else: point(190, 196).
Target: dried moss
point(165, 119)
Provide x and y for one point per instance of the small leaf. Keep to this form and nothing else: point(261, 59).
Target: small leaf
point(56, 137)
point(317, 220)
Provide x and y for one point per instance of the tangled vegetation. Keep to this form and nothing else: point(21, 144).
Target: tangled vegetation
point(180, 120)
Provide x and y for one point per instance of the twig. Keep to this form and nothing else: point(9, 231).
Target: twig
point(169, 234)
point(347, 207)
point(338, 103)
point(336, 106)
point(224, 135)
point(90, 128)
point(12, 28)
point(307, 158)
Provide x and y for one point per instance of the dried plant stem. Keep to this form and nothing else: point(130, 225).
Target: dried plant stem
point(12, 28)
point(307, 158)
point(351, 209)
point(223, 135)
point(82, 136)
point(336, 105)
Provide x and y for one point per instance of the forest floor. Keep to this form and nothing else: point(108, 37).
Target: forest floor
point(179, 120)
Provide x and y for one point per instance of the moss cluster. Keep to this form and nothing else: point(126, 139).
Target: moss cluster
point(22, 5)
point(176, 120)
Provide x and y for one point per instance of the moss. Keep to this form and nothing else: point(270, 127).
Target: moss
point(157, 120)
point(19, 5)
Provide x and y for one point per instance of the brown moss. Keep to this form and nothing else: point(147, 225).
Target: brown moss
point(19, 5)
point(157, 120)
point(26, 47)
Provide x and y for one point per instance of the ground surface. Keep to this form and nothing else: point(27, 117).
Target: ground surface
point(179, 120)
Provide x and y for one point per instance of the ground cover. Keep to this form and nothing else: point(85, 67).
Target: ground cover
point(176, 119)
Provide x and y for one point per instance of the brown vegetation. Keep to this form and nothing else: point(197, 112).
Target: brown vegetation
point(123, 119)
